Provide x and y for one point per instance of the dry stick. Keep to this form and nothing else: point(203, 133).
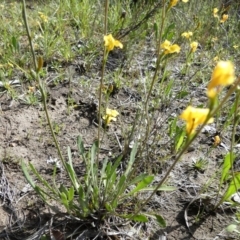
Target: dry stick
point(231, 90)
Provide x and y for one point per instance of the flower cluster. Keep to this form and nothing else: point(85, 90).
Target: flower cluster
point(224, 17)
point(223, 75)
point(194, 44)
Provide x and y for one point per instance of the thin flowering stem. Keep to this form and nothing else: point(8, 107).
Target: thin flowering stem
point(42, 88)
point(188, 143)
point(105, 55)
point(24, 15)
point(235, 124)
point(159, 58)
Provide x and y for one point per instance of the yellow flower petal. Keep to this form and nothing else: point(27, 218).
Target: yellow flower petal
point(185, 1)
point(215, 11)
point(187, 34)
point(110, 116)
point(195, 117)
point(166, 45)
point(174, 49)
point(223, 75)
point(110, 42)
point(193, 46)
point(224, 18)
point(173, 3)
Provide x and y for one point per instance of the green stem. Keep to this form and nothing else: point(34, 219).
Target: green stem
point(235, 124)
point(24, 15)
point(189, 142)
point(41, 87)
point(105, 55)
point(146, 104)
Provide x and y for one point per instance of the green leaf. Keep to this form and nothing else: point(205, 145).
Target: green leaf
point(80, 145)
point(103, 172)
point(145, 182)
point(62, 189)
point(139, 218)
point(231, 228)
point(71, 173)
point(26, 174)
point(15, 44)
point(82, 200)
point(172, 127)
point(121, 186)
point(42, 180)
point(226, 167)
point(168, 34)
point(162, 188)
point(108, 207)
point(182, 94)
point(64, 200)
point(232, 188)
point(160, 220)
point(132, 159)
point(71, 193)
point(138, 178)
point(180, 140)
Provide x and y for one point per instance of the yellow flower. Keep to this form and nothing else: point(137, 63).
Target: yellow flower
point(110, 116)
point(43, 17)
point(110, 42)
point(187, 34)
point(31, 89)
point(235, 46)
point(214, 39)
point(169, 48)
point(193, 46)
point(215, 59)
point(217, 141)
point(10, 64)
point(173, 3)
point(223, 75)
point(185, 1)
point(224, 18)
point(195, 117)
point(215, 11)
